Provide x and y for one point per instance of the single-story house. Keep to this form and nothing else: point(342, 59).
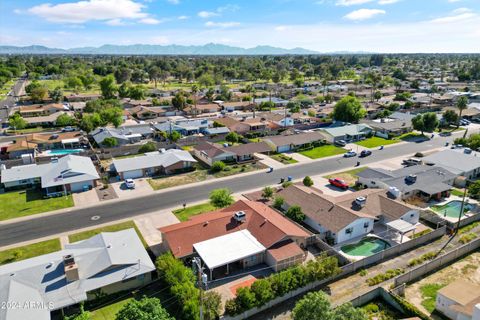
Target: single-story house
point(349, 132)
point(245, 152)
point(82, 97)
point(39, 110)
point(216, 131)
point(456, 161)
point(202, 108)
point(131, 103)
point(106, 263)
point(237, 105)
point(153, 163)
point(278, 102)
point(390, 126)
point(184, 127)
point(460, 300)
point(422, 181)
point(144, 113)
point(339, 219)
point(67, 174)
point(209, 153)
point(233, 125)
point(242, 235)
point(124, 135)
point(295, 141)
point(47, 120)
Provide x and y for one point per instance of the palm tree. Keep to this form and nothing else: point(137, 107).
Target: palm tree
point(251, 90)
point(194, 91)
point(462, 104)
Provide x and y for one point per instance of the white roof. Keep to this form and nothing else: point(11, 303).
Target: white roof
point(401, 225)
point(455, 161)
point(153, 159)
point(229, 248)
point(73, 140)
point(104, 259)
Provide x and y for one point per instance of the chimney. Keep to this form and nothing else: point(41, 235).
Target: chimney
point(70, 268)
point(360, 201)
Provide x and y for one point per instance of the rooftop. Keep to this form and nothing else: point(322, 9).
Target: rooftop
point(155, 159)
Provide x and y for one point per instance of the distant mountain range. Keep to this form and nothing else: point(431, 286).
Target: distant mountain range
point(146, 49)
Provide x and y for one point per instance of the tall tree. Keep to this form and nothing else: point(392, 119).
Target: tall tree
point(108, 87)
point(144, 309)
point(349, 109)
point(462, 104)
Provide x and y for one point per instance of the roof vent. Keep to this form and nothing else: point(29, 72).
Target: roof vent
point(70, 268)
point(360, 201)
point(411, 178)
point(205, 223)
point(240, 216)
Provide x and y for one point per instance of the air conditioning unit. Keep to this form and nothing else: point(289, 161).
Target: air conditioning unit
point(240, 216)
point(361, 201)
point(411, 178)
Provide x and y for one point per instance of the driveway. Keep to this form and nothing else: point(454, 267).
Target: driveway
point(142, 188)
point(322, 184)
point(300, 157)
point(86, 198)
point(269, 162)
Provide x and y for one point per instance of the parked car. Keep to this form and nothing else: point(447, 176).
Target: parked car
point(340, 143)
point(456, 146)
point(339, 183)
point(68, 129)
point(130, 184)
point(365, 153)
point(445, 133)
point(350, 154)
point(411, 162)
point(467, 150)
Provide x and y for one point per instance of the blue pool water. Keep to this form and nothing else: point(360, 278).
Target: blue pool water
point(63, 151)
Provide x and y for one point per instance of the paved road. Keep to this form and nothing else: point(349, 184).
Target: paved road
point(11, 233)
point(10, 100)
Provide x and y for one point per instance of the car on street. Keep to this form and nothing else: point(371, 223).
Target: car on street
point(340, 143)
point(365, 153)
point(130, 184)
point(412, 162)
point(68, 129)
point(456, 146)
point(339, 183)
point(350, 154)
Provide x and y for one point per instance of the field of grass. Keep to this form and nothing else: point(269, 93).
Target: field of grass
point(375, 142)
point(322, 151)
point(23, 203)
point(409, 136)
point(184, 214)
point(429, 295)
point(29, 251)
point(52, 84)
point(350, 176)
point(7, 87)
point(456, 192)
point(112, 228)
point(109, 311)
point(31, 130)
point(283, 158)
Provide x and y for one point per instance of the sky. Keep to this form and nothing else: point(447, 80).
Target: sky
point(389, 26)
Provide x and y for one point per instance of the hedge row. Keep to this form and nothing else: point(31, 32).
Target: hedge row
point(389, 274)
point(279, 284)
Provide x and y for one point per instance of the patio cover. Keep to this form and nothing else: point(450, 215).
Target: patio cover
point(401, 226)
point(229, 248)
point(73, 140)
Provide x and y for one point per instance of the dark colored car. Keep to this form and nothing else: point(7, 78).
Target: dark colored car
point(339, 183)
point(365, 153)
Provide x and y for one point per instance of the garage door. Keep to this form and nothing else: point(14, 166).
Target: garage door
point(283, 148)
point(133, 174)
point(79, 186)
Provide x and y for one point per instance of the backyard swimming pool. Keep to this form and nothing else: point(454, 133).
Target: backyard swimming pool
point(58, 152)
point(452, 209)
point(366, 247)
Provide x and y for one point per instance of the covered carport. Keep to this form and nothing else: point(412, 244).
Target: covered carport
point(240, 246)
point(401, 226)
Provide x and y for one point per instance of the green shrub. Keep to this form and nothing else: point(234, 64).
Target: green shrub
point(421, 233)
point(389, 274)
point(218, 166)
point(307, 181)
point(278, 203)
point(467, 238)
point(287, 184)
point(363, 273)
point(424, 257)
point(147, 147)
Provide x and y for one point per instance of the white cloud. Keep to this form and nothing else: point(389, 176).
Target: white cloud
point(222, 24)
point(452, 1)
point(281, 28)
point(183, 17)
point(363, 14)
point(115, 22)
point(347, 3)
point(384, 2)
point(162, 40)
point(207, 14)
point(150, 21)
point(89, 10)
point(457, 15)
point(174, 1)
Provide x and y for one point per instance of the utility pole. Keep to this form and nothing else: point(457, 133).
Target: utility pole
point(197, 265)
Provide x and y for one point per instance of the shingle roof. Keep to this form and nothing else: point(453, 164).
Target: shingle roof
point(42, 279)
point(249, 148)
point(454, 160)
point(295, 139)
point(150, 160)
point(352, 129)
point(265, 224)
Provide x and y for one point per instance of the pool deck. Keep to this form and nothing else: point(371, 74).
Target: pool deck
point(450, 199)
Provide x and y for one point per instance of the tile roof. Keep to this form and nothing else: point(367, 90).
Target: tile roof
point(265, 224)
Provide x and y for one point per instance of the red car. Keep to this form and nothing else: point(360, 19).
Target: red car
point(339, 183)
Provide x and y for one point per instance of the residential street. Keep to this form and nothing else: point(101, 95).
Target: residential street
point(16, 232)
point(10, 100)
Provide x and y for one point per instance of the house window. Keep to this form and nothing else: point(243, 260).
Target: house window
point(348, 230)
point(372, 182)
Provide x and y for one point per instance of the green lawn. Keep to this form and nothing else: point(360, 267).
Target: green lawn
point(184, 214)
point(29, 251)
point(7, 87)
point(323, 151)
point(409, 136)
point(109, 311)
point(112, 228)
point(283, 158)
point(374, 142)
point(30, 130)
point(22, 203)
point(456, 192)
point(429, 294)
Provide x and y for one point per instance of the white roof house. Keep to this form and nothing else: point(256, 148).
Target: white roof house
point(104, 259)
point(228, 248)
point(456, 161)
point(67, 170)
point(153, 159)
